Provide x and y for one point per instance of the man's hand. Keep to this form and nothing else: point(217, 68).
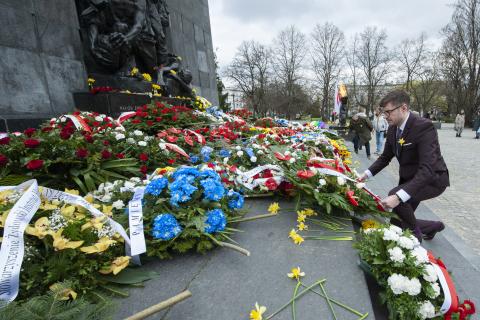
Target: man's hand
point(363, 177)
point(390, 202)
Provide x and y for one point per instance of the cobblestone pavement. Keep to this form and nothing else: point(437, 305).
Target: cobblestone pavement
point(459, 205)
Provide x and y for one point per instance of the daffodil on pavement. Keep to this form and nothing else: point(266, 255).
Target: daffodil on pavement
point(40, 229)
point(308, 212)
point(116, 265)
point(257, 313)
point(302, 226)
point(273, 208)
point(100, 246)
point(63, 293)
point(61, 243)
point(301, 217)
point(297, 239)
point(296, 273)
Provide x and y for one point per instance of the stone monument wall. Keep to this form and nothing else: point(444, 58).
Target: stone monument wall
point(41, 60)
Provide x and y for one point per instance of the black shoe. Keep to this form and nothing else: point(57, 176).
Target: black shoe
point(437, 227)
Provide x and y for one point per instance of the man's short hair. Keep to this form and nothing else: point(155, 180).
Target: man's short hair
point(396, 97)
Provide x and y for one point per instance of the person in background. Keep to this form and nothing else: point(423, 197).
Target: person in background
point(361, 128)
point(460, 123)
point(476, 125)
point(380, 125)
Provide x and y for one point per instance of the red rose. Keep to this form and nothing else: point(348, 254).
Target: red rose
point(29, 132)
point(174, 118)
point(95, 123)
point(3, 160)
point(154, 110)
point(144, 169)
point(76, 113)
point(267, 174)
point(305, 174)
point(47, 129)
point(143, 157)
point(5, 140)
point(106, 154)
point(34, 164)
point(88, 138)
point(149, 123)
point(158, 119)
point(171, 161)
point(271, 184)
point(120, 156)
point(31, 143)
point(136, 121)
point(106, 142)
point(82, 153)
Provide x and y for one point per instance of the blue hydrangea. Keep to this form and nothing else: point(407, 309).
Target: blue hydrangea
point(166, 227)
point(155, 187)
point(235, 200)
point(194, 159)
point(205, 152)
point(210, 174)
point(213, 189)
point(181, 191)
point(250, 152)
point(215, 221)
point(189, 171)
point(224, 153)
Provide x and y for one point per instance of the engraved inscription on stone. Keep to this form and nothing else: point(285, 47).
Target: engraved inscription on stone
point(202, 61)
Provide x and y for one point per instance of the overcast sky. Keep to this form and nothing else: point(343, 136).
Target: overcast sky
point(233, 21)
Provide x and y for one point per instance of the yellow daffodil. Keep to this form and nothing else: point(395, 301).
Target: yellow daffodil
point(309, 212)
point(61, 293)
point(96, 223)
point(3, 218)
point(116, 266)
point(302, 226)
point(91, 81)
point(155, 86)
point(347, 162)
point(72, 191)
point(296, 273)
point(273, 208)
point(301, 217)
point(297, 239)
point(134, 72)
point(147, 77)
point(401, 141)
point(370, 224)
point(292, 233)
point(61, 243)
point(257, 313)
point(41, 228)
point(100, 246)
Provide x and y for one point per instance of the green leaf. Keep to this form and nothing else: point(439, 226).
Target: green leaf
point(130, 276)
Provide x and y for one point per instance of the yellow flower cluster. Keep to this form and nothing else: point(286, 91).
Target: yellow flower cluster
point(201, 103)
point(370, 224)
point(134, 72)
point(273, 208)
point(147, 77)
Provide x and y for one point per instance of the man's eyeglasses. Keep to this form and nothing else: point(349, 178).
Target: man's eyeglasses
point(388, 112)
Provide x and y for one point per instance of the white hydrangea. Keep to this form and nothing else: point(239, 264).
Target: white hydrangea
point(430, 274)
point(396, 229)
point(389, 235)
point(436, 289)
point(118, 204)
point(396, 283)
point(341, 181)
point(142, 143)
point(413, 287)
point(426, 310)
point(120, 136)
point(396, 254)
point(240, 153)
point(405, 242)
point(138, 133)
point(420, 255)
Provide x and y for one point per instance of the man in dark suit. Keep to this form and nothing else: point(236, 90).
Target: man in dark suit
point(423, 173)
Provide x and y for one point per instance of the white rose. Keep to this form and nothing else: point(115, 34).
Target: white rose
point(260, 152)
point(106, 198)
point(63, 119)
point(426, 310)
point(253, 159)
point(138, 133)
point(360, 185)
point(119, 129)
point(405, 242)
point(131, 141)
point(396, 254)
point(98, 118)
point(142, 143)
point(240, 153)
point(120, 136)
point(341, 181)
point(162, 146)
point(118, 204)
point(238, 148)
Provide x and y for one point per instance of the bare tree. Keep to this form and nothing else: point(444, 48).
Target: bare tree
point(427, 85)
point(371, 62)
point(412, 55)
point(249, 71)
point(327, 55)
point(290, 51)
point(461, 54)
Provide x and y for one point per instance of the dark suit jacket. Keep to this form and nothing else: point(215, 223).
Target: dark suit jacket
point(421, 162)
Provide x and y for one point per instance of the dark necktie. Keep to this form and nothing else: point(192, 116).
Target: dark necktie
point(397, 144)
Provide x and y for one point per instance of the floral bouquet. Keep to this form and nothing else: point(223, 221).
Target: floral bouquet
point(409, 275)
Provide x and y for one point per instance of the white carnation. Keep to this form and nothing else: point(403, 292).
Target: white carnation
point(138, 133)
point(120, 136)
point(360, 185)
point(118, 204)
point(240, 153)
point(253, 159)
point(225, 160)
point(405, 242)
point(131, 141)
point(129, 185)
point(389, 235)
point(396, 254)
point(106, 198)
point(142, 143)
point(341, 181)
point(119, 129)
point(260, 152)
point(429, 273)
point(426, 310)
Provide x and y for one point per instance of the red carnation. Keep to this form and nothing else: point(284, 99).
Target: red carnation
point(469, 307)
point(95, 123)
point(158, 119)
point(34, 164)
point(144, 169)
point(174, 118)
point(149, 123)
point(88, 138)
point(305, 174)
point(76, 113)
point(3, 160)
point(106, 142)
point(136, 121)
point(47, 129)
point(143, 157)
point(5, 140)
point(31, 143)
point(120, 156)
point(271, 184)
point(29, 132)
point(106, 154)
point(351, 198)
point(82, 153)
